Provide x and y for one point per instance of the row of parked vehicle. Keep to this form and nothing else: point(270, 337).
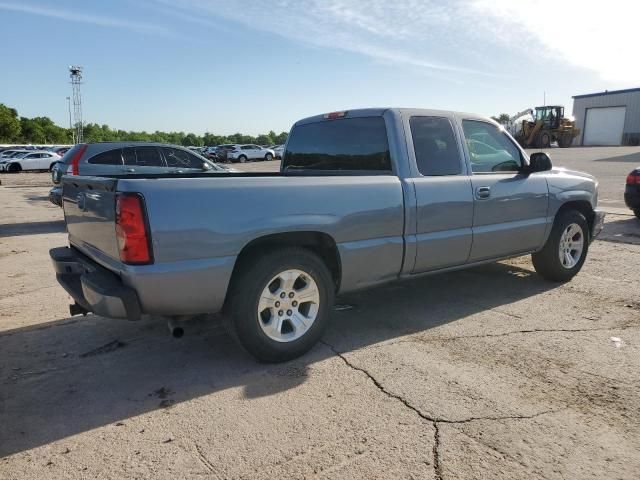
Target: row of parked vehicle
point(240, 153)
point(17, 159)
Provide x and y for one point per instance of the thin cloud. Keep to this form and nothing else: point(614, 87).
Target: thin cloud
point(84, 18)
point(416, 33)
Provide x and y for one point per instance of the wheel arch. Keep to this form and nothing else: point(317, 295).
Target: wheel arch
point(582, 206)
point(320, 243)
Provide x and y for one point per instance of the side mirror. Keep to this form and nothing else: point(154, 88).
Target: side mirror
point(539, 162)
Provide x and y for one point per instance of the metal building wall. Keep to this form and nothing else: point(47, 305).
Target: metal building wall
point(627, 98)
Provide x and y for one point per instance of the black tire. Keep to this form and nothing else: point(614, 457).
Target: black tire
point(544, 140)
point(565, 141)
point(636, 212)
point(268, 157)
point(242, 158)
point(253, 278)
point(547, 261)
point(14, 168)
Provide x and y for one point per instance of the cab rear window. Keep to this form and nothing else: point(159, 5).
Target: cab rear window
point(345, 144)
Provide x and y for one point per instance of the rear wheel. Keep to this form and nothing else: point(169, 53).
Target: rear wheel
point(564, 253)
point(565, 141)
point(242, 158)
point(281, 303)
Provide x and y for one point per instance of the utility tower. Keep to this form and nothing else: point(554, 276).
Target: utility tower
point(75, 72)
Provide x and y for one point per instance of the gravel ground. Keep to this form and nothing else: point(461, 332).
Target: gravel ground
point(485, 373)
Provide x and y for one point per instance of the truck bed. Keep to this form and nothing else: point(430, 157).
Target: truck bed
point(200, 223)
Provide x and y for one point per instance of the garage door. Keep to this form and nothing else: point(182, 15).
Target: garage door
point(604, 126)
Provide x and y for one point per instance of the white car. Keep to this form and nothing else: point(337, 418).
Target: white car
point(243, 153)
point(30, 160)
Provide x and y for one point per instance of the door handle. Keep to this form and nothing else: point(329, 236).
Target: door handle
point(483, 192)
point(130, 170)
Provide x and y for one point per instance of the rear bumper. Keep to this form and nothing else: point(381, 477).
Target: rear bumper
point(598, 223)
point(93, 287)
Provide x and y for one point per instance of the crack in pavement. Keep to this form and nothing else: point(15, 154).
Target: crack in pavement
point(205, 461)
point(435, 421)
point(416, 339)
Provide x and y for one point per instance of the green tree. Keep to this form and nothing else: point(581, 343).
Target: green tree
point(263, 140)
point(191, 140)
point(9, 124)
point(281, 139)
point(502, 119)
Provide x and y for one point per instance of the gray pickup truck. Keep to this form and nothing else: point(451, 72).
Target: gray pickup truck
point(363, 197)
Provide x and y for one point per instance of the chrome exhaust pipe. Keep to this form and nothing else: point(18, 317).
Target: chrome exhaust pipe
point(176, 330)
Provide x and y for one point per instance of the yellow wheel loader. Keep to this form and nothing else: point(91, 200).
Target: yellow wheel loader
point(549, 125)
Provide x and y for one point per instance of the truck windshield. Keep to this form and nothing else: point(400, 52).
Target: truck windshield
point(346, 144)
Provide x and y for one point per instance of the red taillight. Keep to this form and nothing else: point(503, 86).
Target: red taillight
point(131, 229)
point(334, 115)
point(72, 169)
point(633, 178)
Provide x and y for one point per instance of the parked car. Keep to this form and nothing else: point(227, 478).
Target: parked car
point(10, 152)
point(222, 150)
point(61, 150)
point(244, 153)
point(632, 192)
point(363, 198)
point(29, 160)
point(278, 151)
point(126, 158)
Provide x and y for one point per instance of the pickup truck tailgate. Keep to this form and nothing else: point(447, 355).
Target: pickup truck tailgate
point(89, 209)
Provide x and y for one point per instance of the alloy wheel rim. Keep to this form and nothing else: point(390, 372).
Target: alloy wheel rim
point(571, 246)
point(288, 305)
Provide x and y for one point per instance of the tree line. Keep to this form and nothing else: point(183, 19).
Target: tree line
point(42, 130)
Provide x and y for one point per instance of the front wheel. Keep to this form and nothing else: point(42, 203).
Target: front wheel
point(563, 255)
point(545, 140)
point(281, 304)
point(268, 157)
point(242, 159)
point(14, 168)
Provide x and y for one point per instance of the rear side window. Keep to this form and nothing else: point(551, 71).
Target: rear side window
point(346, 144)
point(181, 159)
point(143, 157)
point(435, 146)
point(110, 157)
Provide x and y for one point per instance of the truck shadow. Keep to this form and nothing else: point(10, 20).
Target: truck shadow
point(76, 374)
point(32, 228)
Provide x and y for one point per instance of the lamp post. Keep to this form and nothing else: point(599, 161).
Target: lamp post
point(73, 135)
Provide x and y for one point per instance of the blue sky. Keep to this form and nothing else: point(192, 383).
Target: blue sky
point(253, 66)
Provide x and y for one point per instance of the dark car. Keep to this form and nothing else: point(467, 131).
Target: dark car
point(126, 158)
point(632, 192)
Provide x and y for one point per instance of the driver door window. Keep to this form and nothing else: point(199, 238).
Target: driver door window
point(490, 149)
